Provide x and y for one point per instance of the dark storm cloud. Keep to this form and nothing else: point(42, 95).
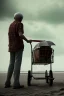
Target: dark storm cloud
point(52, 12)
point(53, 15)
point(6, 9)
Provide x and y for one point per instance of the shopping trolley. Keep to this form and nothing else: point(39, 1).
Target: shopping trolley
point(42, 54)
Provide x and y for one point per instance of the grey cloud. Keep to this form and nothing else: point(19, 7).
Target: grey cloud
point(58, 48)
point(38, 33)
point(42, 34)
point(6, 9)
point(53, 15)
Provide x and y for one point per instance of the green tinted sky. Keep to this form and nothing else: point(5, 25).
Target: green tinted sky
point(43, 19)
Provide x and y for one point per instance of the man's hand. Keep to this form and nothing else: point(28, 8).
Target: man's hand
point(29, 41)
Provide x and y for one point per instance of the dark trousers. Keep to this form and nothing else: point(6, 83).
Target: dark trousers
point(14, 66)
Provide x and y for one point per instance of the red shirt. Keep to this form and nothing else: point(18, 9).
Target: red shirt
point(15, 41)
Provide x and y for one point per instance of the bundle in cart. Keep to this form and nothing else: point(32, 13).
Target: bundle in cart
point(43, 53)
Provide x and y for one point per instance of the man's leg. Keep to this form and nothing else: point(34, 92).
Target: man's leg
point(10, 69)
point(17, 66)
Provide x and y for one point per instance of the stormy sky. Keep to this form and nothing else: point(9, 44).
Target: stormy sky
point(43, 19)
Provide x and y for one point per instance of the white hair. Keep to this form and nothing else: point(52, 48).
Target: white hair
point(18, 15)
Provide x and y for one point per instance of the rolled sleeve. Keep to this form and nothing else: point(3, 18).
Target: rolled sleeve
point(20, 29)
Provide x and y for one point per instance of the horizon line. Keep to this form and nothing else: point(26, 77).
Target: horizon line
point(32, 71)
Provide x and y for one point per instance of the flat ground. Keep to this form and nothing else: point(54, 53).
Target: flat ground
point(38, 88)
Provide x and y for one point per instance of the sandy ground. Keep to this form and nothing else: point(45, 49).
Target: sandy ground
point(38, 88)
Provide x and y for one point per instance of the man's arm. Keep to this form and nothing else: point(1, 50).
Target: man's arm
point(23, 37)
point(21, 32)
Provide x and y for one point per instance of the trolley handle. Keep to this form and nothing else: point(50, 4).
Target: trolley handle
point(37, 40)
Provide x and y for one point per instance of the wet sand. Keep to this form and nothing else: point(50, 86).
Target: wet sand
point(37, 88)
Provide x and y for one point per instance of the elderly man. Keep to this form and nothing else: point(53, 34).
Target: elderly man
point(16, 46)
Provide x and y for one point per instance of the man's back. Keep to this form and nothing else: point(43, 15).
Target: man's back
point(15, 42)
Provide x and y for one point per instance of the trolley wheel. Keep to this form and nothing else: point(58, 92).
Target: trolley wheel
point(29, 78)
point(50, 78)
point(46, 76)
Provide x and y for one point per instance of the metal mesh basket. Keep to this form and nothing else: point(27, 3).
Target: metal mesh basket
point(43, 55)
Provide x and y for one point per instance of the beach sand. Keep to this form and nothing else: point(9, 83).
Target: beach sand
point(38, 88)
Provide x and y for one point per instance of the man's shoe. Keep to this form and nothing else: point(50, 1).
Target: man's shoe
point(7, 86)
point(18, 87)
